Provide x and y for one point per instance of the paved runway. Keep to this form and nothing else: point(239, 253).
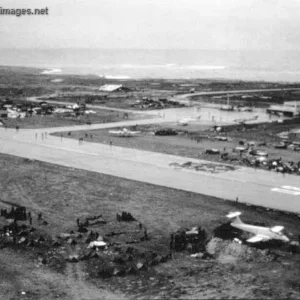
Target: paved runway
point(258, 187)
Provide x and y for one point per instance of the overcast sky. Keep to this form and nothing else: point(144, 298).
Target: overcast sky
point(155, 24)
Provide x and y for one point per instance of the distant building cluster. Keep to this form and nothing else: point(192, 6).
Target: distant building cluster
point(288, 108)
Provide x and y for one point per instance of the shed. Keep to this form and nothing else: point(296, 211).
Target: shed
point(114, 88)
point(111, 87)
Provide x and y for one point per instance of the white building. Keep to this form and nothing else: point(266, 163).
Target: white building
point(288, 107)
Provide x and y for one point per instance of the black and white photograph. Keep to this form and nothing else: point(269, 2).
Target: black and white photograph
point(149, 149)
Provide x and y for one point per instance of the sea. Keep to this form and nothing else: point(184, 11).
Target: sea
point(252, 65)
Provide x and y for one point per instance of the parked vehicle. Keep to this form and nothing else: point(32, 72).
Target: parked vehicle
point(256, 152)
point(212, 151)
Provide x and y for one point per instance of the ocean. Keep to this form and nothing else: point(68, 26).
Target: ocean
point(278, 66)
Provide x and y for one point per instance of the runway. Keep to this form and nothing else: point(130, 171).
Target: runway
point(258, 187)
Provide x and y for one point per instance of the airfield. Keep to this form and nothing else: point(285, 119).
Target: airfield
point(256, 187)
point(49, 170)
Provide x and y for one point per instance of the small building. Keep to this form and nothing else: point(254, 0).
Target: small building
point(113, 88)
point(291, 108)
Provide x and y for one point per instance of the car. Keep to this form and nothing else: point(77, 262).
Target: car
point(280, 146)
point(221, 138)
point(212, 151)
point(258, 153)
point(166, 132)
point(240, 149)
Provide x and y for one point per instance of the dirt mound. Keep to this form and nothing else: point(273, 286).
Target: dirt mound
point(227, 251)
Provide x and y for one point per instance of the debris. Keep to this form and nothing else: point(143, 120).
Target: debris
point(97, 244)
point(125, 216)
point(197, 255)
point(73, 258)
point(141, 266)
point(167, 131)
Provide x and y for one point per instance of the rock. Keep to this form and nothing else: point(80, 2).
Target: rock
point(213, 245)
point(23, 240)
point(141, 266)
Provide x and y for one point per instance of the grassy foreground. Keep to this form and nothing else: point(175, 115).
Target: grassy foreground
point(64, 194)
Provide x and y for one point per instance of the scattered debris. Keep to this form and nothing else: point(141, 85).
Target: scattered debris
point(205, 167)
point(167, 131)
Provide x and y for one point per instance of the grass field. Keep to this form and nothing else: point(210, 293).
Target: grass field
point(65, 194)
point(194, 140)
point(39, 121)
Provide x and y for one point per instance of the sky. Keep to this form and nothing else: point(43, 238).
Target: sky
point(154, 24)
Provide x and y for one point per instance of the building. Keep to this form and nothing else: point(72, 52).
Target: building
point(111, 87)
point(290, 108)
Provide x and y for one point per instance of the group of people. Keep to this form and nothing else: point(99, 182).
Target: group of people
point(43, 135)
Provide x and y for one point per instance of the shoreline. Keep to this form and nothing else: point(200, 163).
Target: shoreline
point(63, 71)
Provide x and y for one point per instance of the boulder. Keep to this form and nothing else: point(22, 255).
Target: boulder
point(23, 240)
point(141, 266)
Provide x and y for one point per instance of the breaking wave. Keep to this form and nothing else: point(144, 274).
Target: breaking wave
point(172, 66)
point(51, 71)
point(115, 76)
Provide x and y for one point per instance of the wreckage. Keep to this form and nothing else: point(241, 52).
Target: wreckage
point(260, 233)
point(124, 133)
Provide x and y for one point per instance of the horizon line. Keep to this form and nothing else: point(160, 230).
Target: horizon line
point(142, 49)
